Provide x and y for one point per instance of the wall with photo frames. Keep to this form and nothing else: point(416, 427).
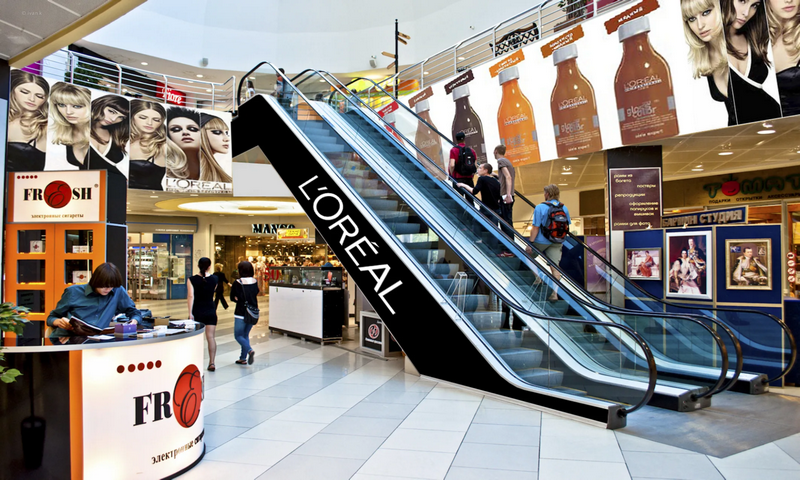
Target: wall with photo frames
point(766, 300)
point(58, 126)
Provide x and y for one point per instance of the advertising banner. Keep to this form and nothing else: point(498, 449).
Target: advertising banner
point(58, 126)
point(707, 217)
point(56, 197)
point(635, 198)
point(638, 73)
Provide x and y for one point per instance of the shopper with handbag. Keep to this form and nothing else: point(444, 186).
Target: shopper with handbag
point(244, 293)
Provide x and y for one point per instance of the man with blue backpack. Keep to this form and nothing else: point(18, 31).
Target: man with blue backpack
point(551, 222)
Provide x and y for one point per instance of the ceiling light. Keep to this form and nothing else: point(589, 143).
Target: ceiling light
point(566, 173)
point(194, 195)
point(767, 125)
point(461, 58)
point(699, 166)
point(252, 78)
point(697, 169)
point(723, 154)
point(572, 158)
point(208, 90)
point(563, 184)
point(144, 63)
point(153, 196)
point(199, 75)
point(425, 73)
point(798, 151)
point(190, 81)
point(766, 132)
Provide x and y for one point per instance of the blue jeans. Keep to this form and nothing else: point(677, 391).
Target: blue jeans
point(241, 332)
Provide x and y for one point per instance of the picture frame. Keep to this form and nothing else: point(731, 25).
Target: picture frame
point(748, 264)
point(643, 263)
point(689, 265)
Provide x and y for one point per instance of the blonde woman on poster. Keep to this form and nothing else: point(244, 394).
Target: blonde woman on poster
point(70, 114)
point(215, 143)
point(784, 29)
point(149, 146)
point(702, 28)
point(747, 45)
point(198, 163)
point(27, 122)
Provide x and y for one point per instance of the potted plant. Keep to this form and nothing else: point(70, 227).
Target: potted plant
point(12, 319)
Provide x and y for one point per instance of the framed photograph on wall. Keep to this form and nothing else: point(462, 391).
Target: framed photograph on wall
point(643, 263)
point(689, 265)
point(747, 264)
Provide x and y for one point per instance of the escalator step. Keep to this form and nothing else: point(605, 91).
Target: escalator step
point(542, 376)
point(427, 256)
point(392, 216)
point(520, 359)
point(381, 204)
point(503, 339)
point(443, 270)
point(404, 228)
point(485, 320)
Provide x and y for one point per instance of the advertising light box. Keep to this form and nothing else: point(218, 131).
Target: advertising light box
point(57, 196)
point(634, 74)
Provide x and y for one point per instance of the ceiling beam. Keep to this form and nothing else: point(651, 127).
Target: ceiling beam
point(95, 20)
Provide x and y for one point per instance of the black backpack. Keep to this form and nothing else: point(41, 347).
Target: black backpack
point(556, 224)
point(466, 165)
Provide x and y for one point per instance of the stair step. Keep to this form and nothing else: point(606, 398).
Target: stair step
point(503, 339)
point(392, 216)
point(485, 320)
point(464, 285)
point(426, 256)
point(521, 358)
point(382, 204)
point(542, 376)
point(443, 270)
point(404, 228)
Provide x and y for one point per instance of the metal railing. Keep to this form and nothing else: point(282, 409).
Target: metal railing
point(104, 75)
point(547, 19)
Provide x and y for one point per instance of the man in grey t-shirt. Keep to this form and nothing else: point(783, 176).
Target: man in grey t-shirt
point(507, 175)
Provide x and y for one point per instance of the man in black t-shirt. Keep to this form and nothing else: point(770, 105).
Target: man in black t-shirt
point(487, 187)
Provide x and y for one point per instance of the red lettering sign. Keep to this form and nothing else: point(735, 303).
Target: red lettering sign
point(175, 97)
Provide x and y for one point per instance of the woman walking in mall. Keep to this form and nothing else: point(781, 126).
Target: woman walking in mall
point(200, 297)
point(244, 293)
point(221, 281)
point(27, 122)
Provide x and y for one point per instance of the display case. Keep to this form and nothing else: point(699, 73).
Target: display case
point(148, 270)
point(308, 302)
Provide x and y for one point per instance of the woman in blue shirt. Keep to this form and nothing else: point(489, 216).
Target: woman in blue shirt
point(96, 303)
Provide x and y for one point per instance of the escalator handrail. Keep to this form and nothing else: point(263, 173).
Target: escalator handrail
point(647, 352)
point(722, 382)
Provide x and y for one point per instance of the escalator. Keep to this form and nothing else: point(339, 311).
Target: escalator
point(429, 267)
point(763, 343)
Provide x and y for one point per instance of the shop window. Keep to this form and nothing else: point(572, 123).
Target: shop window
point(79, 241)
point(31, 241)
point(32, 299)
point(762, 215)
point(77, 271)
point(30, 271)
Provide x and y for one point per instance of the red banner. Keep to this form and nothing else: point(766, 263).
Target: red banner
point(175, 97)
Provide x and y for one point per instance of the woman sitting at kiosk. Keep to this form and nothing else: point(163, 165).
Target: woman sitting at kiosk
point(96, 303)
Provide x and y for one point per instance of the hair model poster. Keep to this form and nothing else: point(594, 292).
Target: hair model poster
point(199, 151)
point(27, 122)
point(68, 129)
point(783, 20)
point(110, 134)
point(148, 145)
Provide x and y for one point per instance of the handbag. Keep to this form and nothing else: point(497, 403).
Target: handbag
point(251, 312)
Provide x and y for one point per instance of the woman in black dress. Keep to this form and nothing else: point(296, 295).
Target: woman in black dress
point(200, 296)
point(244, 290)
point(221, 281)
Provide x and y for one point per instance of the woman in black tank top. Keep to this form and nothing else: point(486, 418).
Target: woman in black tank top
point(200, 297)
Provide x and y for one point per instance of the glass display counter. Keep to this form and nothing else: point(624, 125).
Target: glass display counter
point(308, 302)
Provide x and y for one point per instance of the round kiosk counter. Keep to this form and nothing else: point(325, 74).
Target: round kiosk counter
point(114, 409)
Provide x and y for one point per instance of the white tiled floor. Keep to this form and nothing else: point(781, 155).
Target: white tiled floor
point(308, 412)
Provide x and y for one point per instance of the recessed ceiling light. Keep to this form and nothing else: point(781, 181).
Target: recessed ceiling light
point(461, 58)
point(144, 63)
point(199, 75)
point(252, 78)
point(194, 195)
point(190, 81)
point(322, 81)
point(697, 169)
point(767, 125)
point(572, 158)
point(153, 196)
point(563, 184)
point(766, 132)
point(208, 90)
point(426, 73)
point(699, 166)
point(566, 173)
point(723, 154)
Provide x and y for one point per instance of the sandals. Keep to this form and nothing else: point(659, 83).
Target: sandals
point(251, 357)
point(211, 367)
point(240, 362)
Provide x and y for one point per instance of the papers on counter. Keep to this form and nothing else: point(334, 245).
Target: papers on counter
point(102, 337)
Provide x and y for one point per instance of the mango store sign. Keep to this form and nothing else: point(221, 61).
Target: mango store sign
point(56, 196)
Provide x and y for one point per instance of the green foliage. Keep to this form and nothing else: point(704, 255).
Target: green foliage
point(12, 319)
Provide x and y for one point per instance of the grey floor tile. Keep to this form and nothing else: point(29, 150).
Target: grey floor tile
point(373, 427)
point(630, 443)
point(296, 467)
point(238, 418)
point(387, 396)
point(671, 465)
point(216, 435)
point(474, 455)
point(380, 410)
point(288, 391)
point(340, 446)
point(790, 445)
point(551, 469)
point(463, 473)
point(530, 418)
point(302, 381)
point(272, 404)
point(503, 435)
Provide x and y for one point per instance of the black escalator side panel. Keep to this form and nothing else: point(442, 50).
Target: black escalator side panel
point(423, 329)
